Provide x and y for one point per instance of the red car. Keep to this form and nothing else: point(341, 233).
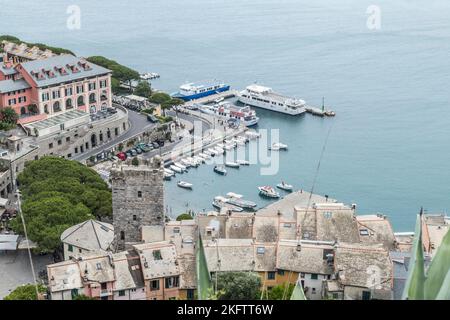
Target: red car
point(122, 156)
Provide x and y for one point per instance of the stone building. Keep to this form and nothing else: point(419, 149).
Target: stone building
point(138, 200)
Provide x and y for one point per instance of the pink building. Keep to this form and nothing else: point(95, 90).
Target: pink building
point(43, 88)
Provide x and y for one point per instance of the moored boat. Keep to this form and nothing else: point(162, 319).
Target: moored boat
point(221, 202)
point(236, 199)
point(176, 168)
point(232, 164)
point(243, 162)
point(268, 191)
point(278, 146)
point(220, 170)
point(191, 91)
point(181, 166)
point(184, 184)
point(284, 186)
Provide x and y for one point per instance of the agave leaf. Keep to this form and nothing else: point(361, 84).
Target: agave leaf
point(297, 293)
point(204, 284)
point(444, 293)
point(438, 270)
point(414, 287)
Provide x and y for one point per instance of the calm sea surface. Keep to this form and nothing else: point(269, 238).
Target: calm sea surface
point(389, 147)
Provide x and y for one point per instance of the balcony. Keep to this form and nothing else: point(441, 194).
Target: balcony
point(105, 293)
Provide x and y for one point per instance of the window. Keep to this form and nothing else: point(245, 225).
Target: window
point(103, 84)
point(134, 217)
point(260, 250)
point(190, 294)
point(56, 94)
point(91, 86)
point(157, 255)
point(70, 248)
point(68, 92)
point(80, 89)
point(98, 265)
point(45, 96)
point(364, 232)
point(122, 235)
point(327, 214)
point(280, 272)
point(313, 290)
point(68, 139)
point(176, 230)
point(80, 251)
point(154, 285)
point(76, 149)
point(172, 282)
point(314, 276)
point(59, 142)
point(139, 194)
point(302, 275)
point(270, 275)
point(50, 145)
point(121, 293)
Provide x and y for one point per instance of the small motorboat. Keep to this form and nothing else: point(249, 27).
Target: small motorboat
point(199, 160)
point(219, 150)
point(212, 152)
point(167, 176)
point(229, 147)
point(176, 168)
point(169, 172)
point(268, 191)
point(285, 186)
point(220, 170)
point(232, 164)
point(184, 184)
point(278, 146)
point(243, 162)
point(204, 156)
point(186, 163)
point(181, 166)
point(193, 162)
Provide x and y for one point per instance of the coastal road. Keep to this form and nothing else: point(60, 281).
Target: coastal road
point(138, 123)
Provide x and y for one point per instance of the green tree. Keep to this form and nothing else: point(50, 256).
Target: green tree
point(135, 161)
point(159, 97)
point(58, 193)
point(82, 297)
point(8, 115)
point(184, 216)
point(280, 292)
point(239, 285)
point(25, 292)
point(143, 89)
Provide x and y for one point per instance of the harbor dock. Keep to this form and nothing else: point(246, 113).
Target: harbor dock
point(208, 99)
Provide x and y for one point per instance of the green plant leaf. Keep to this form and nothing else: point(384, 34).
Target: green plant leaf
point(414, 288)
point(438, 270)
point(298, 293)
point(444, 293)
point(204, 283)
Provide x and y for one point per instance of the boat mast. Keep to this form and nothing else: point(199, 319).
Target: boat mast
point(323, 104)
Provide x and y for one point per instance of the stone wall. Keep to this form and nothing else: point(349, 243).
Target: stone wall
point(138, 199)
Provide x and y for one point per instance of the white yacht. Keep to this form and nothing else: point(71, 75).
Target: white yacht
point(228, 110)
point(264, 97)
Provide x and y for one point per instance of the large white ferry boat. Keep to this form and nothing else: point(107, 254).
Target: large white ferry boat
point(228, 110)
point(264, 97)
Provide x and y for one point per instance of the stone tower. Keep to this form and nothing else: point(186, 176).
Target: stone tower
point(137, 199)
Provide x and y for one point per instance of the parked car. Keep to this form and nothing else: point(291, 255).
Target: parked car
point(155, 145)
point(152, 118)
point(129, 154)
point(143, 147)
point(138, 150)
point(133, 152)
point(122, 156)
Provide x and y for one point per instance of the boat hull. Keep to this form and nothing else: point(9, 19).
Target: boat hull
point(200, 95)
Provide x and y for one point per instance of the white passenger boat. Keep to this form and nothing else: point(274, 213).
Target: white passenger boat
point(232, 164)
point(176, 168)
point(268, 191)
point(284, 186)
point(184, 184)
point(243, 162)
point(264, 97)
